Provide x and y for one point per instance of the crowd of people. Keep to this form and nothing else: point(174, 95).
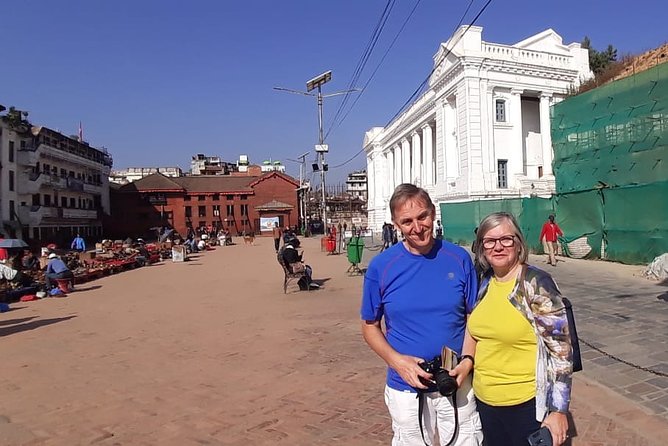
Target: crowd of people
point(506, 323)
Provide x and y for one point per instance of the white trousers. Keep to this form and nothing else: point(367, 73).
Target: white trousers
point(438, 416)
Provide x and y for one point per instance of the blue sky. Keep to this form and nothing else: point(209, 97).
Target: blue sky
point(156, 81)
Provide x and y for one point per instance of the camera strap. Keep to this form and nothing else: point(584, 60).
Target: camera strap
point(420, 398)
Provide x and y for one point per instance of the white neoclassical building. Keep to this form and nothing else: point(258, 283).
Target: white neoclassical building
point(482, 128)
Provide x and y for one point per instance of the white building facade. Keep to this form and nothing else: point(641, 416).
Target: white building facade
point(53, 186)
point(482, 128)
point(131, 174)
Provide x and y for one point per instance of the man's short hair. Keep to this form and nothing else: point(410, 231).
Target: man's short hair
point(407, 191)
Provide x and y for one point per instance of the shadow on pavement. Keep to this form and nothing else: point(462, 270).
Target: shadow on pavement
point(32, 325)
point(572, 429)
point(17, 321)
point(88, 288)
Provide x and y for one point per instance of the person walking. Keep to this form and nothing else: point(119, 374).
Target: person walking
point(439, 230)
point(518, 334)
point(78, 244)
point(387, 236)
point(548, 236)
point(277, 233)
point(424, 289)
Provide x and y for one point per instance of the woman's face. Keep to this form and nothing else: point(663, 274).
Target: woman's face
point(500, 257)
point(415, 220)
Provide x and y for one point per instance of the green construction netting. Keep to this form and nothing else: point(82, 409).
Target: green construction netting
point(460, 219)
point(632, 220)
point(534, 213)
point(614, 135)
point(636, 222)
point(580, 216)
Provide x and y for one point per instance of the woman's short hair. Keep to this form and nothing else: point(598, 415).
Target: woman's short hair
point(490, 222)
point(407, 191)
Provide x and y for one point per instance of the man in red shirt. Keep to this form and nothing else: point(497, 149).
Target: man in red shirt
point(548, 235)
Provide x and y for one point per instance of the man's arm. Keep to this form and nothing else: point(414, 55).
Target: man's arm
point(406, 366)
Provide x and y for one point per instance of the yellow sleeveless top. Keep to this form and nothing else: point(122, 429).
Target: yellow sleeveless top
point(505, 357)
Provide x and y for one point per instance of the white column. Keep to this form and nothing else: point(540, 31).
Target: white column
point(388, 173)
point(416, 172)
point(545, 136)
point(397, 166)
point(451, 137)
point(371, 181)
point(428, 154)
point(405, 161)
point(515, 113)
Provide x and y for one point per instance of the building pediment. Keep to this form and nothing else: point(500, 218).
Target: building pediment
point(274, 205)
point(547, 41)
point(371, 136)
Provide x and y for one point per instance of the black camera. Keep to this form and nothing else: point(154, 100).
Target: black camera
point(446, 384)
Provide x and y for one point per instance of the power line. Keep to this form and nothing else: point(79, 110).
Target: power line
point(364, 58)
point(430, 73)
point(378, 66)
point(424, 82)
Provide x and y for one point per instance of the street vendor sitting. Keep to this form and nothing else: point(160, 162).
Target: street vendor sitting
point(30, 262)
point(56, 269)
point(10, 273)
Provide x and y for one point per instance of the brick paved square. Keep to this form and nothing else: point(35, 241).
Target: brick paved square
point(212, 352)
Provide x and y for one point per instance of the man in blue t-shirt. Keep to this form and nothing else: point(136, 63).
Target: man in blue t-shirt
point(424, 289)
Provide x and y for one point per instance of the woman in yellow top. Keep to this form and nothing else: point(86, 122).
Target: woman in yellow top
point(518, 336)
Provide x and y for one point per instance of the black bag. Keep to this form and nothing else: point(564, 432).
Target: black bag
point(575, 342)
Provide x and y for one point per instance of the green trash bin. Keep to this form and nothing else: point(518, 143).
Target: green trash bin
point(354, 249)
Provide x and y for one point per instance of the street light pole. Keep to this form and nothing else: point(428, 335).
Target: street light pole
point(321, 148)
point(321, 140)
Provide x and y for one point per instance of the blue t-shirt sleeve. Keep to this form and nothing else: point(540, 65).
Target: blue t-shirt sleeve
point(471, 291)
point(371, 308)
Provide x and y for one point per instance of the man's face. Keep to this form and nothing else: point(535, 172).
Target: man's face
point(415, 220)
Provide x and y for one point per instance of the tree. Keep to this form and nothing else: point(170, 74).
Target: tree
point(599, 60)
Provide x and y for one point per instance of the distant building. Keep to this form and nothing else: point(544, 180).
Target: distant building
point(131, 174)
point(201, 164)
point(53, 185)
point(243, 164)
point(235, 202)
point(356, 184)
point(272, 166)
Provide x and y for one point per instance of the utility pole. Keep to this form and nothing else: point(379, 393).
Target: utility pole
point(321, 148)
point(301, 192)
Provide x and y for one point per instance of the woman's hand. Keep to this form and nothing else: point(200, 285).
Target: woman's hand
point(462, 370)
point(407, 367)
point(557, 423)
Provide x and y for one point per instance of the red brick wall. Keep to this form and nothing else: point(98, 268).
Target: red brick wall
point(133, 216)
point(276, 187)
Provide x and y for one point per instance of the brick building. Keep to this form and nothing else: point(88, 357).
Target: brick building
point(234, 202)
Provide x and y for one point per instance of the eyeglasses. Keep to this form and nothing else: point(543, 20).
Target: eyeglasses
point(506, 241)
